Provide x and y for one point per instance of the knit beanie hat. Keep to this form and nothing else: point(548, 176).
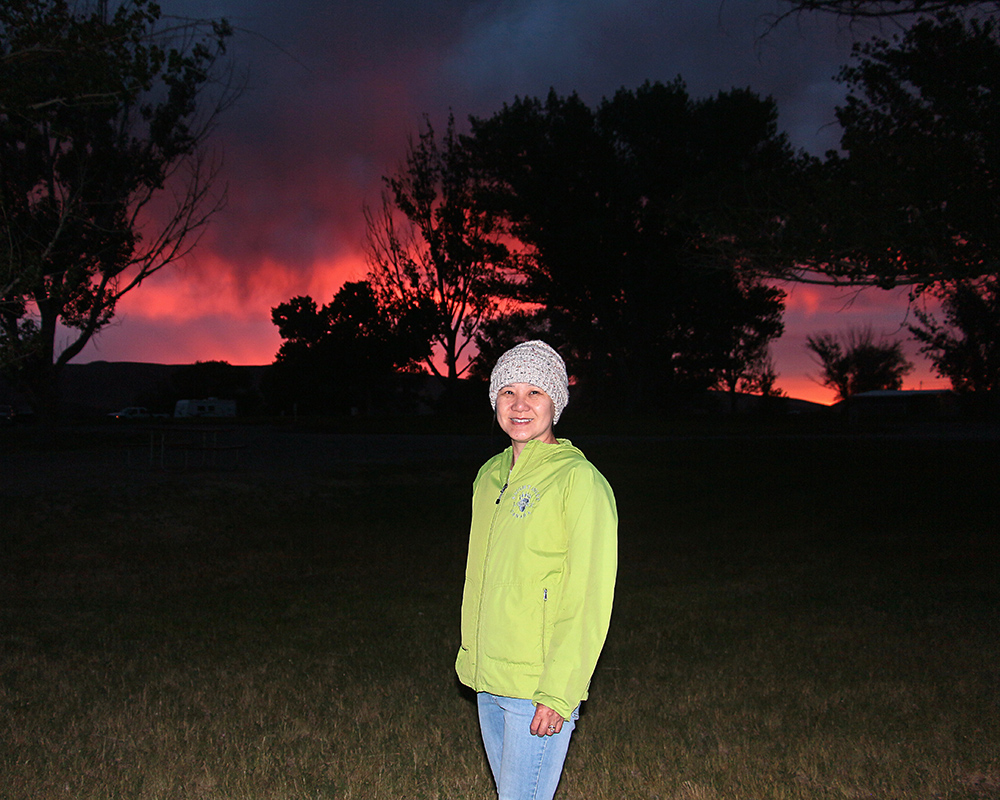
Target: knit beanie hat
point(535, 363)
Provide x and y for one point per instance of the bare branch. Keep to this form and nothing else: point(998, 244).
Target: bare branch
point(102, 119)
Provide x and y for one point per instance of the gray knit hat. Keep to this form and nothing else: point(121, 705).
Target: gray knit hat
point(535, 363)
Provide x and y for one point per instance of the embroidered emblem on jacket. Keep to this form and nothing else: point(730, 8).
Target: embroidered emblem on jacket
point(524, 501)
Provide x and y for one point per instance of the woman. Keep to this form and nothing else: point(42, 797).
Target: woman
point(540, 578)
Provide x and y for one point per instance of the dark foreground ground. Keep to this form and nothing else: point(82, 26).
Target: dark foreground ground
point(803, 612)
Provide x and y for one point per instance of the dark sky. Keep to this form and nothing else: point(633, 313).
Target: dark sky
point(334, 89)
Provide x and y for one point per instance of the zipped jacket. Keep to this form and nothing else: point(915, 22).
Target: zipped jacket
point(540, 579)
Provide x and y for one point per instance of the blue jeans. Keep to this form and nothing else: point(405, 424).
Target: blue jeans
point(525, 767)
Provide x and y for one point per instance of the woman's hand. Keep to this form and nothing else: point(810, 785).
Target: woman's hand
point(546, 722)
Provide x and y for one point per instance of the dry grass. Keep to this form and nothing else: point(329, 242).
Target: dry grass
point(813, 620)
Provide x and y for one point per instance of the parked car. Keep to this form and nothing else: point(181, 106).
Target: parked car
point(6, 415)
point(131, 412)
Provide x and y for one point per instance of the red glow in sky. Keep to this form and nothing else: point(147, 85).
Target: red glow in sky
point(813, 310)
point(208, 314)
point(336, 88)
point(213, 313)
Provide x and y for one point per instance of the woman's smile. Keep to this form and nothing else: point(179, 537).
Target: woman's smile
point(525, 413)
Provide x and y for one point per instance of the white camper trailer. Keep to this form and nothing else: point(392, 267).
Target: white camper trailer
point(209, 407)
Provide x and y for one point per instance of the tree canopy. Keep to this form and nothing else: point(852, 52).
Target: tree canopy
point(965, 347)
point(100, 112)
point(335, 357)
point(913, 198)
point(631, 218)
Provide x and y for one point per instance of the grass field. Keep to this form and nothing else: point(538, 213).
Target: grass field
point(813, 618)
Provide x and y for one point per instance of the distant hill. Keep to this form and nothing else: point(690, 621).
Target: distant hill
point(104, 386)
point(101, 387)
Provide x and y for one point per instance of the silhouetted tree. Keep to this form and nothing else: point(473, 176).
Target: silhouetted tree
point(340, 356)
point(859, 363)
point(443, 259)
point(202, 380)
point(762, 378)
point(100, 111)
point(914, 200)
point(628, 215)
point(300, 379)
point(210, 379)
point(965, 349)
point(744, 347)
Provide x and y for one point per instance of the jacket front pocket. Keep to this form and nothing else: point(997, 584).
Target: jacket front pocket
point(512, 623)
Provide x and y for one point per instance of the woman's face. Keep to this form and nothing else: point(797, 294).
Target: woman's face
point(524, 413)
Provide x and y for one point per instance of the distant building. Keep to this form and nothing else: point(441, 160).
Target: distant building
point(902, 404)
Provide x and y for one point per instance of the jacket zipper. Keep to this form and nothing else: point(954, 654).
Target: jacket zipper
point(545, 606)
point(482, 580)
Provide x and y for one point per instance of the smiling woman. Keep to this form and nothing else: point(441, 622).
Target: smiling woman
point(525, 413)
point(540, 578)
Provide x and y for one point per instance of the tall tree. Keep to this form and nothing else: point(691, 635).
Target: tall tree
point(627, 216)
point(100, 112)
point(965, 348)
point(914, 199)
point(859, 362)
point(443, 258)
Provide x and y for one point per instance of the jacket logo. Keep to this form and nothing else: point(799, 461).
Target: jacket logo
point(524, 501)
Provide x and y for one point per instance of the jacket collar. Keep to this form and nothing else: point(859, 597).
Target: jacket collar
point(534, 451)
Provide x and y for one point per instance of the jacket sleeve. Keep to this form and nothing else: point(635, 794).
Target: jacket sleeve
point(582, 610)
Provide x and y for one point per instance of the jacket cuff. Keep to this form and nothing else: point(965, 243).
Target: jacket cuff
point(557, 704)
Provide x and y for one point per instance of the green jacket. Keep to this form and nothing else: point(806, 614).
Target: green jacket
point(540, 577)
